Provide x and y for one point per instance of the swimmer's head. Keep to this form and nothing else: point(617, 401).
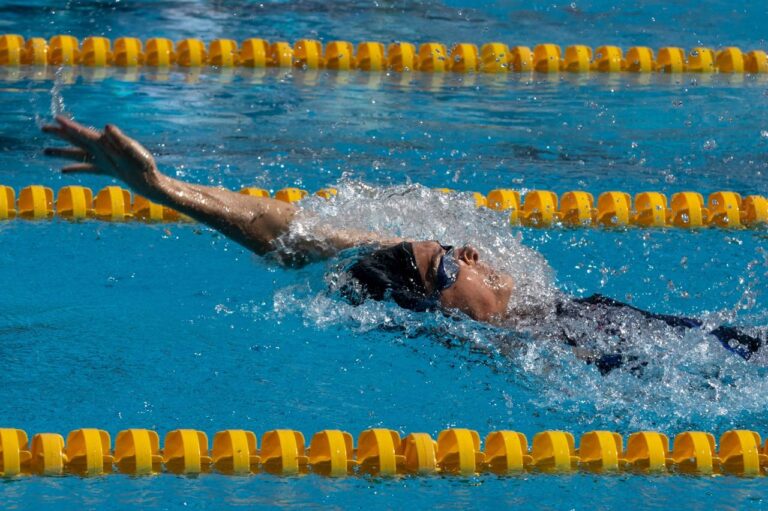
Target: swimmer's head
point(391, 273)
point(425, 274)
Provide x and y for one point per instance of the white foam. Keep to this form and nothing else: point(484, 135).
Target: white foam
point(680, 376)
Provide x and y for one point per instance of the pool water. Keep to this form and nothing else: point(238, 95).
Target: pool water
point(167, 326)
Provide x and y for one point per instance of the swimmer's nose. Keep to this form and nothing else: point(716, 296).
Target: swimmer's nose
point(469, 254)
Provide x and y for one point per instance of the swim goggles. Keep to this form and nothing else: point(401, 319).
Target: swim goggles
point(447, 270)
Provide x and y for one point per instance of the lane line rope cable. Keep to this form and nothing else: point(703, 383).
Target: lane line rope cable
point(379, 452)
point(537, 208)
point(430, 57)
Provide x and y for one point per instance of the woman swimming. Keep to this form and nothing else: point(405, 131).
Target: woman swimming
point(416, 274)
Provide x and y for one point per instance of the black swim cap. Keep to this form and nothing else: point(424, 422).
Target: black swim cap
point(391, 273)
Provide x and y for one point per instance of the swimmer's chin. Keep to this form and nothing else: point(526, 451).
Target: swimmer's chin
point(494, 319)
point(497, 319)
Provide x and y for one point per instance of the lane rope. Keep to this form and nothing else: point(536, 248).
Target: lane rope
point(380, 452)
point(537, 208)
point(430, 57)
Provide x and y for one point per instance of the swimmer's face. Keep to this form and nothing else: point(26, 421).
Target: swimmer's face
point(480, 291)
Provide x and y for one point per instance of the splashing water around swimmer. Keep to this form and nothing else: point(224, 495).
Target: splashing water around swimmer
point(56, 105)
point(57, 99)
point(666, 356)
point(686, 374)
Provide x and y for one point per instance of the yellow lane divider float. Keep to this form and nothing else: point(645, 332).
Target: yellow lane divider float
point(540, 208)
point(381, 452)
point(434, 57)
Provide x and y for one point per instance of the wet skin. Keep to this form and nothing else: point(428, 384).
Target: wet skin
point(256, 222)
point(480, 291)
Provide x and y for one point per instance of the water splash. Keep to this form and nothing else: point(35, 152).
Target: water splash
point(419, 213)
point(56, 105)
point(678, 378)
point(57, 98)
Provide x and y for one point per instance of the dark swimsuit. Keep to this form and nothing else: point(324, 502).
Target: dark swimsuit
point(731, 338)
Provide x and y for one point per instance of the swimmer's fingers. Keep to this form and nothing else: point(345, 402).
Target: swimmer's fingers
point(67, 136)
point(77, 131)
point(80, 168)
point(73, 132)
point(68, 153)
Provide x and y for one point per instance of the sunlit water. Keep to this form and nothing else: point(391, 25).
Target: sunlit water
point(119, 326)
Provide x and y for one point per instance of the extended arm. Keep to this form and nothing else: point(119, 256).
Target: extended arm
point(254, 222)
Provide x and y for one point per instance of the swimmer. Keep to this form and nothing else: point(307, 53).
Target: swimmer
point(416, 274)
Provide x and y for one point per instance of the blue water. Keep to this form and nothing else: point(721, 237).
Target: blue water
point(118, 326)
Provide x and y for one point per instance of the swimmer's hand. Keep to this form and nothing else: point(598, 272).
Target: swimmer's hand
point(109, 153)
point(254, 222)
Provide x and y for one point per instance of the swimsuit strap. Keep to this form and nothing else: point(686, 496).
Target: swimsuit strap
point(733, 339)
